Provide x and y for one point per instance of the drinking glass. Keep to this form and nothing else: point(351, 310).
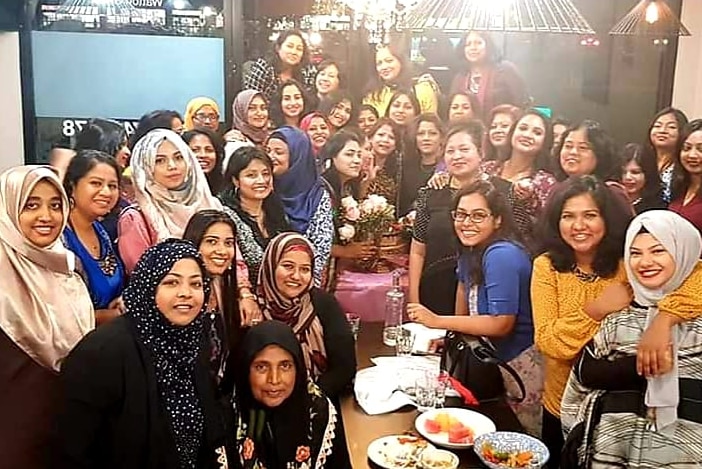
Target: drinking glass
point(441, 382)
point(354, 321)
point(404, 342)
point(424, 393)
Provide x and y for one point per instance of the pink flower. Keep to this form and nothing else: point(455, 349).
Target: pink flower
point(348, 202)
point(353, 213)
point(303, 453)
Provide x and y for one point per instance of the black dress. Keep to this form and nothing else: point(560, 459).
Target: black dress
point(113, 417)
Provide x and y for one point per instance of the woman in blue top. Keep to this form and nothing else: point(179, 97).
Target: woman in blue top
point(493, 294)
point(92, 185)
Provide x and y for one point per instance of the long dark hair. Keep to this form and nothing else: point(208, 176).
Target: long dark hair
point(492, 53)
point(274, 220)
point(275, 109)
point(160, 119)
point(195, 232)
point(543, 159)
point(608, 166)
point(393, 161)
point(681, 178)
point(375, 84)
point(680, 118)
point(615, 213)
point(412, 153)
point(105, 135)
point(274, 58)
point(507, 230)
point(634, 152)
point(330, 151)
point(445, 105)
point(333, 99)
point(412, 97)
point(214, 178)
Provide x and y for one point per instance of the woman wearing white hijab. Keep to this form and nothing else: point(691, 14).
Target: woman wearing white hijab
point(624, 411)
point(45, 309)
point(169, 187)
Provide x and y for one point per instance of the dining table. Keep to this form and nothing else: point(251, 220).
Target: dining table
point(361, 429)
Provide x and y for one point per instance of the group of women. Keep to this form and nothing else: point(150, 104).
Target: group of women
point(207, 263)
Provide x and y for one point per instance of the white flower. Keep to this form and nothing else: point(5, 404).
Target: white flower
point(347, 232)
point(348, 202)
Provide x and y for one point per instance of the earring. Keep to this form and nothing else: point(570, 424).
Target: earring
point(71, 203)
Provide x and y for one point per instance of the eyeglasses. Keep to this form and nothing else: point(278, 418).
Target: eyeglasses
point(476, 217)
point(206, 117)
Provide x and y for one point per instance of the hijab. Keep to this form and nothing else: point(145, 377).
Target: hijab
point(682, 241)
point(45, 307)
point(300, 189)
point(297, 313)
point(168, 211)
point(195, 105)
point(303, 420)
point(174, 349)
point(240, 120)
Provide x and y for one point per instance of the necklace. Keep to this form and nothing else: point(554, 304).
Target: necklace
point(584, 276)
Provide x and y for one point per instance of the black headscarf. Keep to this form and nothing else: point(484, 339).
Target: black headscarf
point(174, 349)
point(299, 422)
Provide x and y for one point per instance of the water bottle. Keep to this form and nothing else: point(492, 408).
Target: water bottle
point(394, 310)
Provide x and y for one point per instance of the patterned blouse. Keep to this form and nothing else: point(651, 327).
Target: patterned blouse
point(667, 181)
point(262, 77)
point(526, 211)
point(250, 246)
point(320, 232)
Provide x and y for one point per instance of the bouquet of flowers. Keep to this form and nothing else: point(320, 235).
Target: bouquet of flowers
point(367, 220)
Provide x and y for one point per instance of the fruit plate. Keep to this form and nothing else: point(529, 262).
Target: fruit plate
point(476, 424)
point(397, 451)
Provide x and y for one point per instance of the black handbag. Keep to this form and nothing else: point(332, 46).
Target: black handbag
point(473, 361)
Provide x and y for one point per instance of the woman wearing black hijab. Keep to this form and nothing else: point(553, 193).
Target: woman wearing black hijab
point(284, 420)
point(138, 392)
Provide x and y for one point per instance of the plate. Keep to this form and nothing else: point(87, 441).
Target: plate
point(389, 452)
point(479, 423)
point(511, 442)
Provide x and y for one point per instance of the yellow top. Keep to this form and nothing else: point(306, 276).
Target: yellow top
point(686, 301)
point(561, 326)
point(426, 95)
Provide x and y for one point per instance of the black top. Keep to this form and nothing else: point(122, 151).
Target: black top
point(113, 415)
point(652, 202)
point(338, 342)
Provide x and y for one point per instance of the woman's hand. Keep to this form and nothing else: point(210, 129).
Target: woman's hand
point(654, 354)
point(118, 305)
point(249, 310)
point(438, 181)
point(523, 189)
point(614, 297)
point(422, 315)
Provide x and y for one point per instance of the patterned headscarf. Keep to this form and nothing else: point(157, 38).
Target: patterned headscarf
point(195, 105)
point(45, 307)
point(300, 189)
point(240, 120)
point(174, 349)
point(168, 211)
point(298, 312)
point(682, 241)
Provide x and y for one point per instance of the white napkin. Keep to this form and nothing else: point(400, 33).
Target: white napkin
point(377, 392)
point(423, 335)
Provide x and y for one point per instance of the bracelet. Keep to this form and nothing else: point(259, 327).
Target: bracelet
point(246, 296)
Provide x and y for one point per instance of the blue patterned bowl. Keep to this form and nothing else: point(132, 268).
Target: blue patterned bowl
point(508, 442)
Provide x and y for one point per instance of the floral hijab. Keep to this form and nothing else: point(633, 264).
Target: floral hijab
point(298, 434)
point(297, 313)
point(168, 211)
point(174, 349)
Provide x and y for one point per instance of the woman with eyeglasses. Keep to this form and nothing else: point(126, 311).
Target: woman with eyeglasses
point(492, 297)
point(202, 112)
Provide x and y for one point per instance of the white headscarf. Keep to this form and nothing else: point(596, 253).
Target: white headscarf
point(168, 211)
point(682, 240)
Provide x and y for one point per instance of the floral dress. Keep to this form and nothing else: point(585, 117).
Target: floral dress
point(314, 449)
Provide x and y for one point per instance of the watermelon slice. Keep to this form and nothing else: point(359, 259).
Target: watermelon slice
point(432, 426)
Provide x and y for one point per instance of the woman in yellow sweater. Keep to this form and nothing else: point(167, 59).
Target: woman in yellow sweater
point(394, 72)
point(577, 281)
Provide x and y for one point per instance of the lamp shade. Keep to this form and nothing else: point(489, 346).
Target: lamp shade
point(650, 18)
point(548, 16)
